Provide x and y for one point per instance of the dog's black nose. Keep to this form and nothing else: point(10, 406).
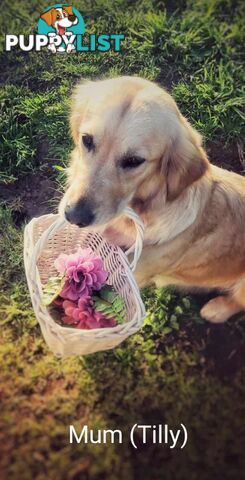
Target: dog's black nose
point(72, 18)
point(80, 214)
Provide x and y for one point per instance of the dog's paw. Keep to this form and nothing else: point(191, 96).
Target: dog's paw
point(70, 48)
point(52, 48)
point(117, 238)
point(219, 309)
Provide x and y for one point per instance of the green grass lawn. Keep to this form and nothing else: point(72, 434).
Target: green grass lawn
point(177, 369)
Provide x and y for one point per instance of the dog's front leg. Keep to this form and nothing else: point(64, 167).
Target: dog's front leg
point(120, 232)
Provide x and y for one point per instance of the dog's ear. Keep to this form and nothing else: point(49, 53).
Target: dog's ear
point(80, 101)
point(47, 16)
point(68, 9)
point(184, 161)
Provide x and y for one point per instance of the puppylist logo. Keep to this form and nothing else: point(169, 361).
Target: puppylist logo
point(61, 28)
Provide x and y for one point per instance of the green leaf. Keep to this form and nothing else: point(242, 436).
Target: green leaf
point(59, 168)
point(108, 294)
point(52, 289)
point(108, 302)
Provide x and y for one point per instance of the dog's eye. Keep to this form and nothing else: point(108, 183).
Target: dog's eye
point(58, 17)
point(132, 162)
point(65, 14)
point(88, 141)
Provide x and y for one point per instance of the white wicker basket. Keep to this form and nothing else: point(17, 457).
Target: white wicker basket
point(48, 236)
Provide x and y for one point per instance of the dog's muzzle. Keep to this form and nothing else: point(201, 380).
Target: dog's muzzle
point(80, 214)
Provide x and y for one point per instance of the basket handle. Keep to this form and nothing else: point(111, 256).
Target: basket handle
point(40, 244)
point(136, 248)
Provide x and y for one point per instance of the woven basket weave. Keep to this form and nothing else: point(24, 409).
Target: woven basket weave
point(48, 236)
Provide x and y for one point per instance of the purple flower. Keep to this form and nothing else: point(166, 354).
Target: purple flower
point(84, 272)
point(82, 315)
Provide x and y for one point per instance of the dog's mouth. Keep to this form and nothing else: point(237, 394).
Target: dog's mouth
point(61, 30)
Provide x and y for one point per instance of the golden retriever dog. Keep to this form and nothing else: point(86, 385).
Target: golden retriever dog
point(134, 148)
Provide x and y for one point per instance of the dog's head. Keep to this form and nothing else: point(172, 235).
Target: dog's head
point(60, 18)
point(131, 143)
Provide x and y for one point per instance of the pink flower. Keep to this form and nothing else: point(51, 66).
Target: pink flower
point(82, 315)
point(84, 272)
point(58, 302)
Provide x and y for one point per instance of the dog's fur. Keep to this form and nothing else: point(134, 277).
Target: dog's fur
point(194, 212)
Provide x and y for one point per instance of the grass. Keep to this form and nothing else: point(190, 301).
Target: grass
point(177, 369)
point(197, 51)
